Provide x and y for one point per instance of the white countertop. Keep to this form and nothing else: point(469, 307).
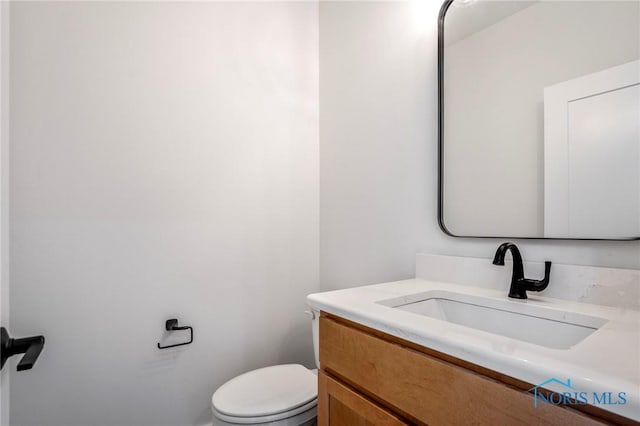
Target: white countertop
point(606, 361)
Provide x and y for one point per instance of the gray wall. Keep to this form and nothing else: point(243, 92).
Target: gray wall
point(378, 156)
point(4, 197)
point(163, 164)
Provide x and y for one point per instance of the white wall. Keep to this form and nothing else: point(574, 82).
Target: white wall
point(494, 121)
point(375, 110)
point(378, 97)
point(164, 163)
point(142, 188)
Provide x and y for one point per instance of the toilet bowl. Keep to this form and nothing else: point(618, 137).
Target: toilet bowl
point(280, 395)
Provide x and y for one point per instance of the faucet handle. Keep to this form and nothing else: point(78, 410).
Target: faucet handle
point(539, 285)
point(547, 271)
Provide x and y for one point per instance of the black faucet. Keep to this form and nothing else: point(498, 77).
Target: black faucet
point(519, 284)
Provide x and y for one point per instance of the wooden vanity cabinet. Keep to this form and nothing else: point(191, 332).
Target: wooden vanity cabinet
point(371, 378)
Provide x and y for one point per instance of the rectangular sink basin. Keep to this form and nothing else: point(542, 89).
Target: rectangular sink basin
point(552, 328)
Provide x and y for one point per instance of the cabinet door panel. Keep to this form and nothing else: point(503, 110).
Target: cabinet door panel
point(339, 405)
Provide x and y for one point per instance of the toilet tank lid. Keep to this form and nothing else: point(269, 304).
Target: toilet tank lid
point(266, 391)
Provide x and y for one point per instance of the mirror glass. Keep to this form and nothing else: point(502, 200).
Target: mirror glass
point(540, 119)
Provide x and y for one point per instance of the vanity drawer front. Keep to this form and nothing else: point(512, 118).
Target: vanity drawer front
point(428, 390)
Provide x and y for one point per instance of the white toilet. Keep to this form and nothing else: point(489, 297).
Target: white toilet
point(280, 395)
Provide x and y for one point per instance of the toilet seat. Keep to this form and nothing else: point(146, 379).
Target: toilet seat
point(267, 395)
point(295, 417)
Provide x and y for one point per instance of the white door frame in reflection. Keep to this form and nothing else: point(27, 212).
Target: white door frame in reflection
point(592, 155)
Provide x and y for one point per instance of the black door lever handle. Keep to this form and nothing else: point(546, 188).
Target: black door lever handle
point(29, 346)
point(35, 345)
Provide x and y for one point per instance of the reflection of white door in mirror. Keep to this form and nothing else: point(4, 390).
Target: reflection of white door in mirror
point(592, 155)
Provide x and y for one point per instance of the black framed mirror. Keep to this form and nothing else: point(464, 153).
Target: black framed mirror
point(539, 119)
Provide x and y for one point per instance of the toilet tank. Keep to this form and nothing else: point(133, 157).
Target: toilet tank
point(315, 328)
